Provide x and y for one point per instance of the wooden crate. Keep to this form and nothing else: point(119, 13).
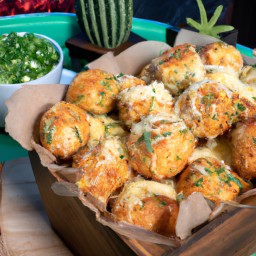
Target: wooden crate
point(232, 233)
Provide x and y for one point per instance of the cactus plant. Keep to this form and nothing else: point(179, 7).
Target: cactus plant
point(107, 23)
point(208, 27)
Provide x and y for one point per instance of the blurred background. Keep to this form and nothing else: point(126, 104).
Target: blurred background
point(238, 13)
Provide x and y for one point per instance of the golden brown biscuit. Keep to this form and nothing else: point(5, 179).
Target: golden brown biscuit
point(177, 68)
point(148, 204)
point(243, 141)
point(159, 146)
point(222, 54)
point(64, 129)
point(137, 102)
point(93, 90)
point(207, 108)
point(215, 180)
point(104, 168)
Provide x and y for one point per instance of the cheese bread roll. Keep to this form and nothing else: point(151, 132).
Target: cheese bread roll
point(159, 146)
point(93, 90)
point(243, 149)
point(222, 54)
point(215, 180)
point(148, 204)
point(64, 129)
point(104, 168)
point(207, 108)
point(177, 68)
point(137, 102)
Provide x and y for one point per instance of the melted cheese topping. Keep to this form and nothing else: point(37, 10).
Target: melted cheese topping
point(143, 93)
point(233, 83)
point(146, 123)
point(111, 150)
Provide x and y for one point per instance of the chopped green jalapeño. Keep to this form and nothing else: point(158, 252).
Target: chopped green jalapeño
point(25, 58)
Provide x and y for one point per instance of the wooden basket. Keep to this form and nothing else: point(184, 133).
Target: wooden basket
point(232, 233)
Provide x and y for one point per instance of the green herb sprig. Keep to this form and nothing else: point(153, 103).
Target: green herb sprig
point(208, 27)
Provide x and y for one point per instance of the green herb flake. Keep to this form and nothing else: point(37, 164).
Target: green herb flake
point(121, 157)
point(77, 133)
point(183, 131)
point(208, 171)
point(241, 107)
point(206, 100)
point(106, 84)
point(254, 98)
point(234, 179)
point(254, 140)
point(178, 158)
point(146, 137)
point(199, 182)
point(163, 203)
point(214, 117)
point(151, 103)
point(166, 134)
point(119, 75)
point(79, 98)
point(109, 126)
point(49, 135)
point(180, 197)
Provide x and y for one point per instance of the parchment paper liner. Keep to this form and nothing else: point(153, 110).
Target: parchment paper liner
point(28, 104)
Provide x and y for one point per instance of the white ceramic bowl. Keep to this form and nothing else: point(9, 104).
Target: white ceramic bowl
point(53, 77)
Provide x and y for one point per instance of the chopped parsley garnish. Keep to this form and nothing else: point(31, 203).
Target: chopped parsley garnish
point(199, 182)
point(183, 131)
point(166, 134)
point(214, 117)
point(106, 84)
point(79, 98)
point(241, 107)
point(49, 135)
point(206, 100)
point(102, 94)
point(178, 158)
point(179, 197)
point(111, 125)
point(78, 134)
point(119, 75)
point(146, 137)
point(121, 157)
point(254, 140)
point(151, 103)
point(208, 171)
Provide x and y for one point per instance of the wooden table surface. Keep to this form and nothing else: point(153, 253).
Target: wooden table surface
point(25, 228)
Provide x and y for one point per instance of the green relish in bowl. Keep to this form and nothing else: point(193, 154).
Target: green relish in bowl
point(25, 57)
